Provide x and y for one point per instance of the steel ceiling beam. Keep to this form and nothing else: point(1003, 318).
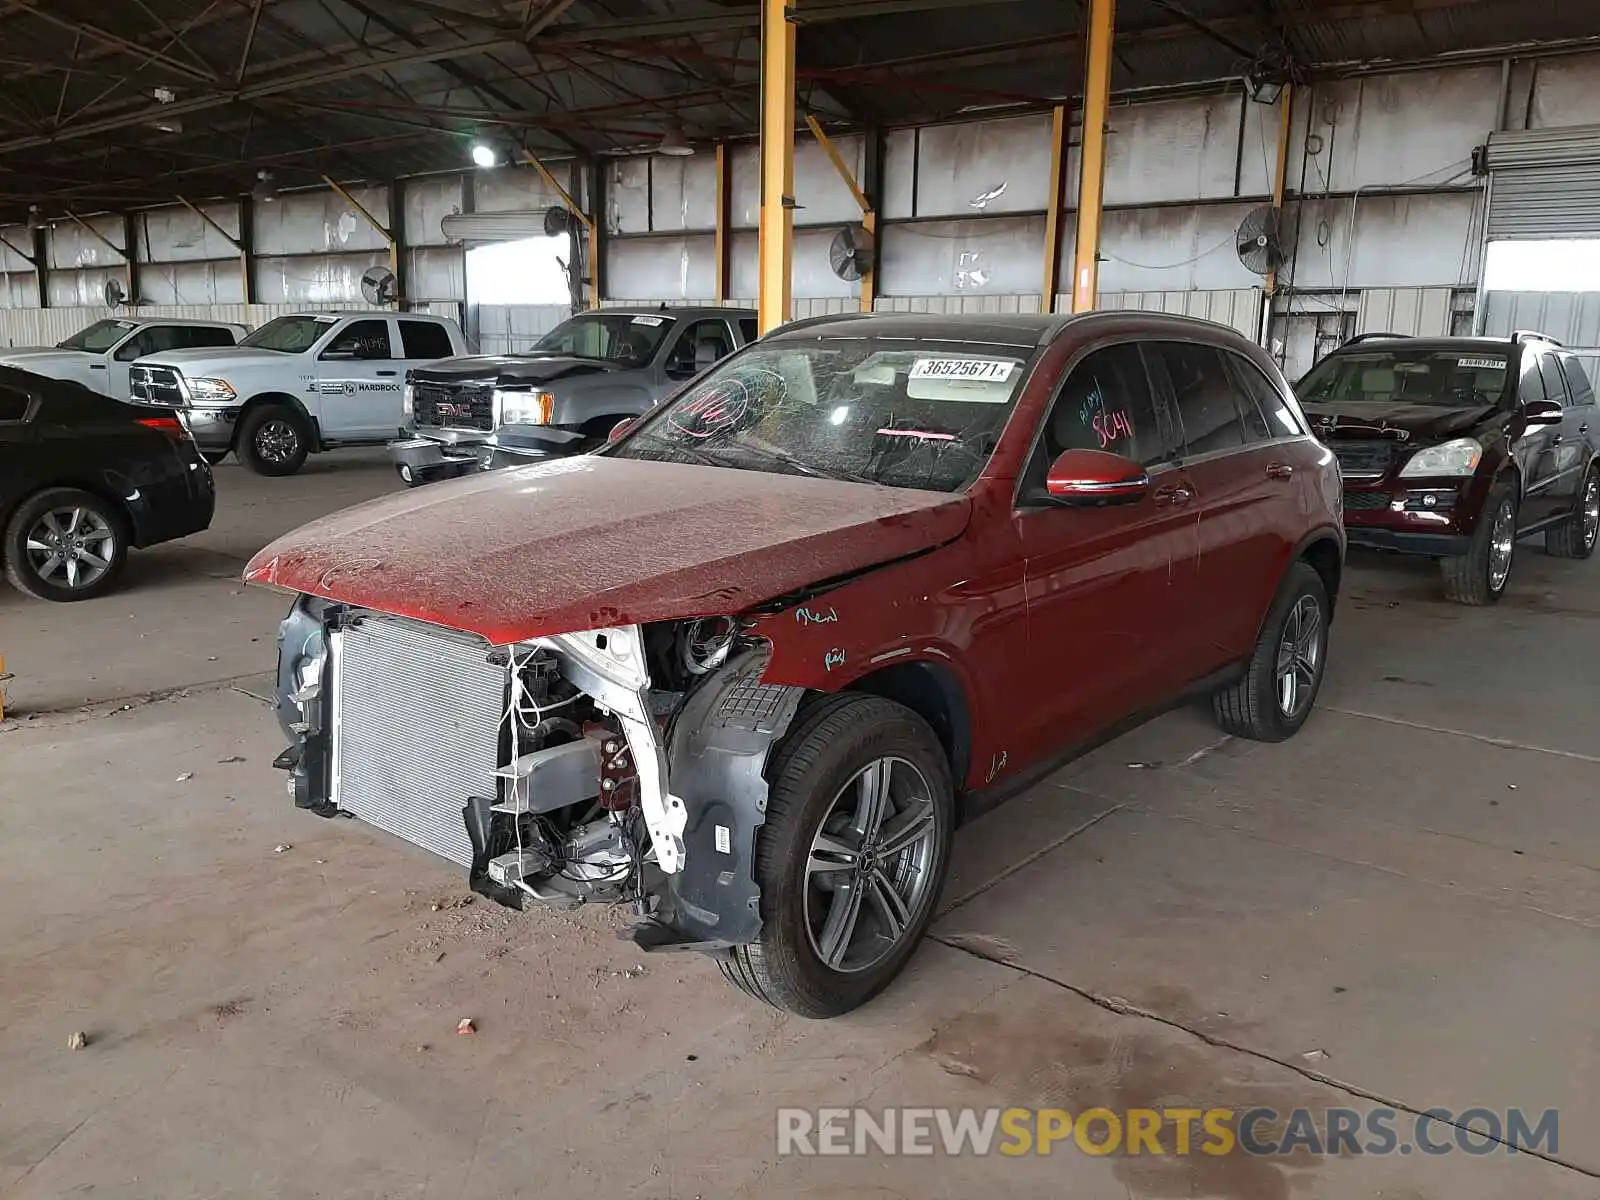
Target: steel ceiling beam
point(106, 38)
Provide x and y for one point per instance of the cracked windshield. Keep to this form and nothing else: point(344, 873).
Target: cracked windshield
point(867, 410)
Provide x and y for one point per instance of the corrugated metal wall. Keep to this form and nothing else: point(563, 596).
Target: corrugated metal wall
point(48, 326)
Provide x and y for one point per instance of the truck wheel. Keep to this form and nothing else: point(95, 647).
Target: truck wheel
point(273, 440)
point(860, 814)
point(1480, 575)
point(1280, 684)
point(1575, 537)
point(63, 544)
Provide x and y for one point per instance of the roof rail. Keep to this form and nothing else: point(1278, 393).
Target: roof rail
point(1531, 335)
point(1368, 337)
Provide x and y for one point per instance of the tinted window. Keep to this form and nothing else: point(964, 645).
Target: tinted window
point(1555, 387)
point(1532, 385)
point(1452, 377)
point(1257, 391)
point(702, 344)
point(137, 346)
point(13, 404)
point(424, 339)
point(157, 338)
point(750, 328)
point(1200, 384)
point(360, 339)
point(199, 336)
point(1578, 380)
point(1106, 403)
point(289, 335)
point(99, 337)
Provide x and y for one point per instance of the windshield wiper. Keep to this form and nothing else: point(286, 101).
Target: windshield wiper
point(802, 468)
point(699, 456)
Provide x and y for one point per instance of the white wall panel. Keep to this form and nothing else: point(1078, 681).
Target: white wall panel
point(1567, 92)
point(19, 290)
point(628, 195)
point(899, 174)
point(315, 281)
point(1400, 241)
point(670, 268)
point(1181, 149)
point(812, 276)
point(15, 235)
point(1173, 249)
point(178, 235)
point(85, 287)
point(996, 256)
point(820, 194)
point(684, 192)
point(1238, 308)
point(436, 273)
point(515, 189)
point(427, 203)
point(1420, 312)
point(983, 167)
point(71, 245)
point(204, 283)
point(513, 328)
point(312, 222)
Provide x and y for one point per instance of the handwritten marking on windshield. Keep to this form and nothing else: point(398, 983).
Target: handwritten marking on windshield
point(808, 616)
point(923, 435)
point(833, 658)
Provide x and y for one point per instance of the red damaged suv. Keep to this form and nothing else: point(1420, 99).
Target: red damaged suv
point(747, 666)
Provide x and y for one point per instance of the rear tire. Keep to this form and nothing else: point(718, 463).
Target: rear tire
point(1480, 575)
point(1293, 642)
point(64, 544)
point(273, 440)
point(860, 816)
point(1575, 537)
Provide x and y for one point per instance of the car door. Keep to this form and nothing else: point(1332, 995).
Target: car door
point(1244, 492)
point(1108, 589)
point(1569, 448)
point(698, 345)
point(17, 449)
point(1535, 450)
point(358, 379)
point(1581, 425)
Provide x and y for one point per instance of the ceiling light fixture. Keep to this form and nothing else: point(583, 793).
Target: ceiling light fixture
point(674, 144)
point(483, 154)
point(264, 191)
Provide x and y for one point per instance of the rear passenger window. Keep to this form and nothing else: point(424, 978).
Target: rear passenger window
point(1207, 412)
point(1106, 403)
point(1531, 386)
point(424, 339)
point(1577, 380)
point(1258, 392)
point(1555, 386)
point(203, 336)
point(13, 405)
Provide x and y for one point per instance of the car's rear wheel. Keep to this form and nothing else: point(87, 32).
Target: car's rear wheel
point(1575, 537)
point(64, 544)
point(1480, 575)
point(273, 440)
point(859, 819)
point(1275, 695)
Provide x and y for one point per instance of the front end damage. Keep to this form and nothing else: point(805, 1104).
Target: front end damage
point(614, 765)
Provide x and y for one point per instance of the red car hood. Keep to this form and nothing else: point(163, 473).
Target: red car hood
point(594, 541)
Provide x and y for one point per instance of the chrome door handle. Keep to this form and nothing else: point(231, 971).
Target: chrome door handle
point(1174, 493)
point(1279, 470)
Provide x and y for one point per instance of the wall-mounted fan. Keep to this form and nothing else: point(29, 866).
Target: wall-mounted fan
point(557, 221)
point(1260, 240)
point(114, 293)
point(379, 286)
point(850, 253)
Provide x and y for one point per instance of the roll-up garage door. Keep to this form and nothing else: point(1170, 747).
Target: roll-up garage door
point(1544, 184)
point(479, 228)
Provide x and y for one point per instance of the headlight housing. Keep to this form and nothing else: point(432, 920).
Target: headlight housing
point(408, 399)
point(211, 391)
point(523, 408)
point(1457, 458)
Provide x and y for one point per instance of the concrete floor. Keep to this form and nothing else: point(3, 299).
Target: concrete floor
point(1399, 908)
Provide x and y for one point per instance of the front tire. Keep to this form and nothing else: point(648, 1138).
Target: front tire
point(64, 544)
point(273, 440)
point(860, 816)
point(1275, 696)
point(1575, 537)
point(1480, 575)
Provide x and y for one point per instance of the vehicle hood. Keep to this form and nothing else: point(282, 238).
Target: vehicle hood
point(40, 359)
point(509, 370)
point(594, 541)
point(1414, 423)
point(223, 356)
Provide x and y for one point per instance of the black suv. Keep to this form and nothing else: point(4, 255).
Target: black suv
point(1456, 448)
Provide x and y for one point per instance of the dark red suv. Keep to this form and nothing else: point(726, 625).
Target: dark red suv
point(749, 664)
point(1456, 448)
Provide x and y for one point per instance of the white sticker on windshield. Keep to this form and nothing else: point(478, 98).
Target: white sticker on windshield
point(124, 324)
point(324, 320)
point(652, 321)
point(1482, 364)
point(978, 370)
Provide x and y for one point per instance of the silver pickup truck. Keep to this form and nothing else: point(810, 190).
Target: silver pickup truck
point(561, 397)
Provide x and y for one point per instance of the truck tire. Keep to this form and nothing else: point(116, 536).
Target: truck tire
point(1480, 575)
point(273, 440)
point(860, 816)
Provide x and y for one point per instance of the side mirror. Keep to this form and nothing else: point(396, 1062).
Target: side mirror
point(1093, 477)
point(620, 428)
point(1542, 412)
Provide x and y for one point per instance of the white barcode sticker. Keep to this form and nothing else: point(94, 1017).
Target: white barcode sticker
point(651, 321)
point(724, 840)
point(1482, 364)
point(977, 370)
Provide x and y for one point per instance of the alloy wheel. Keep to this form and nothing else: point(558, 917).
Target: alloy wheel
point(870, 870)
point(72, 545)
point(1299, 657)
point(1591, 511)
point(276, 440)
point(1502, 544)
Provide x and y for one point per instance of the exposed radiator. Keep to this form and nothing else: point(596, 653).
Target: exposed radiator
point(416, 729)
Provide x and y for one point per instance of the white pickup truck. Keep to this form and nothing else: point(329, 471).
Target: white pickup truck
point(301, 383)
point(99, 356)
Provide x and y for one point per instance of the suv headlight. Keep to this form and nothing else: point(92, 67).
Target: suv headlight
point(211, 391)
point(523, 408)
point(1459, 457)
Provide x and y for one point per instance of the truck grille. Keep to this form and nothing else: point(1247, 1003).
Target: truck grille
point(155, 385)
point(453, 406)
point(416, 729)
point(1364, 459)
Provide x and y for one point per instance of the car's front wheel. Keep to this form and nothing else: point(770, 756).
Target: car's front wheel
point(860, 814)
point(1274, 696)
point(273, 440)
point(65, 544)
point(1480, 575)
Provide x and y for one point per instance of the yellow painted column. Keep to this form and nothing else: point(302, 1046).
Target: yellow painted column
point(776, 238)
point(1091, 184)
point(722, 224)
